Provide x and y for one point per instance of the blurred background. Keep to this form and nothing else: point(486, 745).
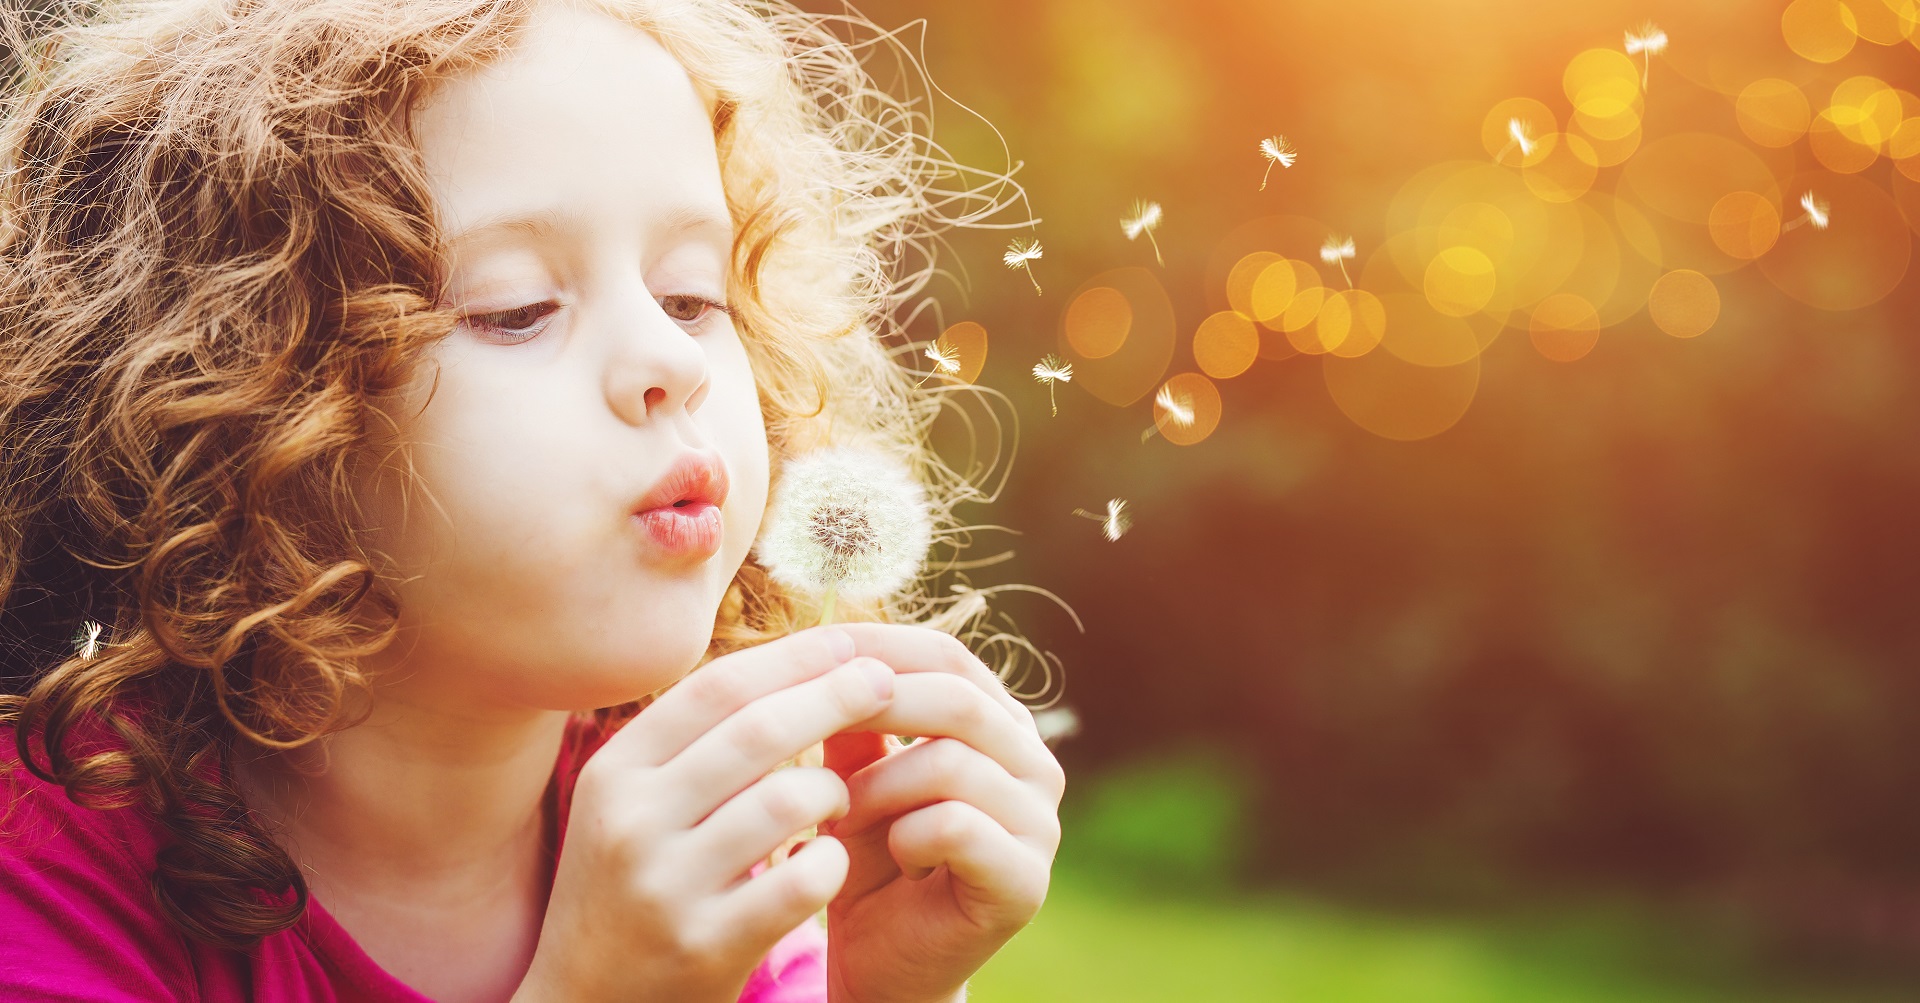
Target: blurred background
point(1521, 608)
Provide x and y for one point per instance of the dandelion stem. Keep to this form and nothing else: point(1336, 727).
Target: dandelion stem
point(826, 605)
point(1269, 174)
point(1343, 273)
point(1151, 431)
point(1030, 278)
point(1052, 401)
point(1156, 250)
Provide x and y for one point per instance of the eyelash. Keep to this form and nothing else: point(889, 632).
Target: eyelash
point(710, 308)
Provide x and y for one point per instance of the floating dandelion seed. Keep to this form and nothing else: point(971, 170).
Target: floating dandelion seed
point(1177, 407)
point(1649, 41)
point(1337, 251)
point(1020, 255)
point(1056, 724)
point(1051, 370)
point(945, 358)
point(845, 522)
point(1145, 219)
point(1521, 132)
point(1115, 523)
point(1816, 213)
point(1276, 150)
point(86, 640)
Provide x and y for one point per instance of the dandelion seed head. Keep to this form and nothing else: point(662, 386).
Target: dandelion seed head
point(1056, 723)
point(86, 640)
point(1144, 219)
point(846, 520)
point(945, 358)
point(1275, 148)
point(1019, 253)
point(1178, 407)
point(1050, 369)
point(1520, 130)
point(1117, 522)
point(1649, 39)
point(1336, 250)
point(1817, 210)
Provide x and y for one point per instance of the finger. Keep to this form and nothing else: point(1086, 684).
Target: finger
point(948, 770)
point(757, 820)
point(769, 905)
point(775, 728)
point(935, 704)
point(923, 649)
point(710, 693)
point(999, 869)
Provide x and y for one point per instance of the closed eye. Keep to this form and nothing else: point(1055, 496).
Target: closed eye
point(519, 324)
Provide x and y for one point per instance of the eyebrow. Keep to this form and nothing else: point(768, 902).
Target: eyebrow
point(542, 223)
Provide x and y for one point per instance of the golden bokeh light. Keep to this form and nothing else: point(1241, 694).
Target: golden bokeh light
point(1636, 229)
point(1098, 321)
point(1773, 112)
point(1396, 399)
point(1479, 225)
point(1834, 149)
point(1418, 334)
point(1132, 361)
point(1684, 174)
point(967, 341)
point(1744, 224)
point(1552, 263)
point(1906, 195)
point(1606, 145)
point(1225, 344)
point(1297, 323)
point(1904, 148)
point(1198, 393)
point(1884, 22)
point(1241, 276)
point(1598, 275)
point(1636, 259)
point(1857, 260)
point(1351, 323)
point(1602, 82)
point(1459, 280)
point(1820, 31)
point(1566, 169)
point(1684, 303)
point(1866, 111)
point(1564, 327)
point(1273, 291)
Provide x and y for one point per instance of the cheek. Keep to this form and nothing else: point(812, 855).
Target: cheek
point(732, 417)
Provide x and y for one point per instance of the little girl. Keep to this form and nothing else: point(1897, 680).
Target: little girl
point(390, 394)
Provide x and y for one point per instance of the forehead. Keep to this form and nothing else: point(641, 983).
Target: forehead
point(587, 121)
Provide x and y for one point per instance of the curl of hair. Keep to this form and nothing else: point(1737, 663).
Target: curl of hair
point(218, 257)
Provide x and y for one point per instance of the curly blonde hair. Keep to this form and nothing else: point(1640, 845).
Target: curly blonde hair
point(218, 256)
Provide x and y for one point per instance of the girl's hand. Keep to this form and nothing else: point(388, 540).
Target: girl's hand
point(952, 839)
point(652, 898)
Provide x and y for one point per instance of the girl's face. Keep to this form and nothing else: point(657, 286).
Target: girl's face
point(579, 187)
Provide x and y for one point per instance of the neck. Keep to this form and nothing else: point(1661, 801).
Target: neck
point(417, 797)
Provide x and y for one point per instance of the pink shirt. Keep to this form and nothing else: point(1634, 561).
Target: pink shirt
point(77, 921)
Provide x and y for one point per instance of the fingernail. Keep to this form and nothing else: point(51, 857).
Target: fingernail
point(840, 643)
point(880, 675)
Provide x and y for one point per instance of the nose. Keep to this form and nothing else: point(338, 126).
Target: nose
point(655, 367)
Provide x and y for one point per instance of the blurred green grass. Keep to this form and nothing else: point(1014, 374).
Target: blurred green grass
point(1148, 903)
point(1116, 945)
